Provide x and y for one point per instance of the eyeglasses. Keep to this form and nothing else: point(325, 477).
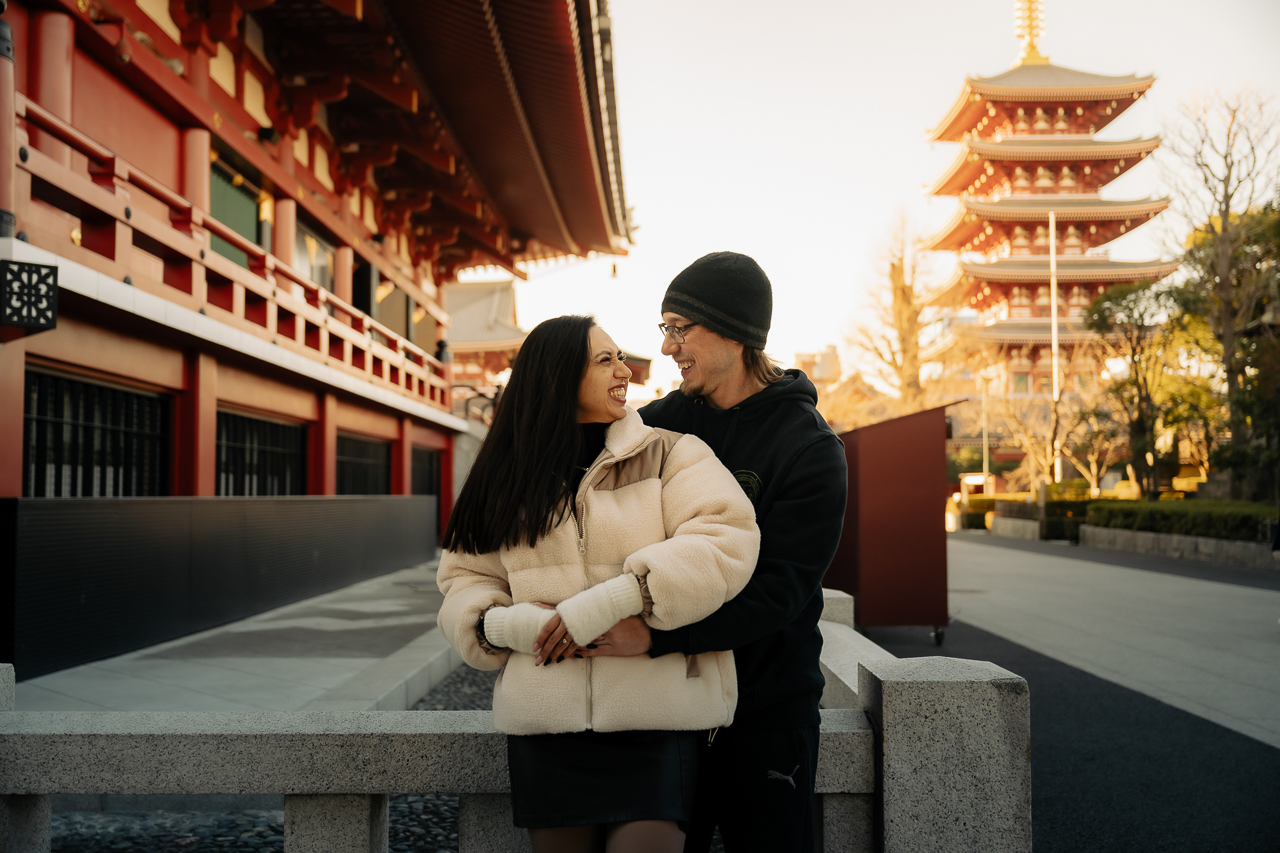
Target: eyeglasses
point(676, 332)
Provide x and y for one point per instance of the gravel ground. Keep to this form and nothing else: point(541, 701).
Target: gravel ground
point(425, 823)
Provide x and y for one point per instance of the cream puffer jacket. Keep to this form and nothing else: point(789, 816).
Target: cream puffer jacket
point(655, 504)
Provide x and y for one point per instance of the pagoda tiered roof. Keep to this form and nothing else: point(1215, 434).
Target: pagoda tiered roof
point(1023, 332)
point(1036, 271)
point(1026, 332)
point(972, 213)
point(1038, 83)
point(974, 152)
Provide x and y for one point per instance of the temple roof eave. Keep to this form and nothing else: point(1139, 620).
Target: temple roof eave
point(1047, 148)
point(1036, 271)
point(1037, 209)
point(1024, 333)
point(1067, 209)
point(1028, 82)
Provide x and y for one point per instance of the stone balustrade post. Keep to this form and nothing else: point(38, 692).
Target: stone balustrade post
point(953, 754)
point(484, 825)
point(335, 823)
point(26, 820)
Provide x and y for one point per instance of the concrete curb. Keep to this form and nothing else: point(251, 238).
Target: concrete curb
point(396, 682)
point(1248, 555)
point(1015, 528)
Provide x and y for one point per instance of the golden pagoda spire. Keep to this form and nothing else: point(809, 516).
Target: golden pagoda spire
point(1028, 23)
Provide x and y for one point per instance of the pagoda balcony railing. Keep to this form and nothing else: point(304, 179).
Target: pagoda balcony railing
point(117, 207)
point(1003, 191)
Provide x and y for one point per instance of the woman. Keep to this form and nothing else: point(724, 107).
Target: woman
point(575, 516)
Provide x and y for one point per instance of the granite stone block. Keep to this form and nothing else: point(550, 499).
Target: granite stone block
point(848, 823)
point(1146, 542)
point(1015, 528)
point(953, 752)
point(484, 825)
point(341, 823)
point(250, 753)
point(842, 649)
point(1206, 549)
point(846, 753)
point(837, 607)
point(8, 688)
point(25, 824)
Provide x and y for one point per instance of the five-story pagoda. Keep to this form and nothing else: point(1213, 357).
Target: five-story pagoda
point(1028, 156)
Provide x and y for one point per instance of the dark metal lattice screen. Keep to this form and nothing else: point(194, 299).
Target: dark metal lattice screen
point(28, 295)
point(426, 471)
point(83, 440)
point(364, 466)
point(258, 458)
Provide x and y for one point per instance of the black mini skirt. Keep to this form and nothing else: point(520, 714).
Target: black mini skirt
point(591, 777)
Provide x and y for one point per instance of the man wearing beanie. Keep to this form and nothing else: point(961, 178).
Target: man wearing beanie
point(756, 777)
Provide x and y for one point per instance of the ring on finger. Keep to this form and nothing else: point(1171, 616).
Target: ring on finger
point(564, 641)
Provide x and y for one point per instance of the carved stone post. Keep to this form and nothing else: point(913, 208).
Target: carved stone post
point(335, 823)
point(25, 820)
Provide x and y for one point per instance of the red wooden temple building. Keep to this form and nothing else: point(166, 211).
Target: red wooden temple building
point(1027, 146)
point(226, 232)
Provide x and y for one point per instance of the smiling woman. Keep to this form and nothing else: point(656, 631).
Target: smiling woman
point(602, 394)
point(559, 535)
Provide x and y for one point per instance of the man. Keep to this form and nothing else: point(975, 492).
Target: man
point(756, 777)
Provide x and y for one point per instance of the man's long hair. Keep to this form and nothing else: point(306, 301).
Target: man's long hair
point(518, 488)
point(760, 367)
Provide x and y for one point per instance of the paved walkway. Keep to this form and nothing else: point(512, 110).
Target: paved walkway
point(1207, 647)
point(282, 660)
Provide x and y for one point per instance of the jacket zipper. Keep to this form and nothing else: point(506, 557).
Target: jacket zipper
point(579, 521)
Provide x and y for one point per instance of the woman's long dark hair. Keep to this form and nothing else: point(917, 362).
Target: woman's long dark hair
point(517, 490)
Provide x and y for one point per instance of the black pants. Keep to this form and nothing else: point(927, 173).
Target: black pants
point(757, 786)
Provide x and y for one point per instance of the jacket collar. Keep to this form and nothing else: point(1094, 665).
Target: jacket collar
point(626, 436)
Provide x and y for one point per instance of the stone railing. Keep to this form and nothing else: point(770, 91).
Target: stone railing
point(924, 753)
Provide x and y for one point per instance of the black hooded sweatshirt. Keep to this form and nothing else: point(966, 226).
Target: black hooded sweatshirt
point(792, 467)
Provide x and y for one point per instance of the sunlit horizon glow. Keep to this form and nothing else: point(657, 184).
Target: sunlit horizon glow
point(796, 136)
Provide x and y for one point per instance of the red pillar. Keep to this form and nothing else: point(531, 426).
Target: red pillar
point(12, 391)
point(8, 132)
point(285, 233)
point(446, 482)
point(323, 448)
point(196, 431)
point(344, 263)
point(196, 143)
point(53, 45)
point(402, 460)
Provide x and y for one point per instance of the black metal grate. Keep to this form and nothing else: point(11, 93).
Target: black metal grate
point(82, 440)
point(258, 458)
point(426, 471)
point(364, 466)
point(28, 295)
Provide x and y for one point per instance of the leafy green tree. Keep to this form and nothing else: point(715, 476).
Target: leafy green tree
point(1131, 320)
point(1230, 149)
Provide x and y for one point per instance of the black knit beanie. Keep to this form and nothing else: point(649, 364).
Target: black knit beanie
point(726, 292)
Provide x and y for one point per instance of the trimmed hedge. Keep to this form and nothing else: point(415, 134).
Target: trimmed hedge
point(1214, 519)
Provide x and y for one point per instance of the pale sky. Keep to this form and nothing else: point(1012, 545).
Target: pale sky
point(795, 131)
